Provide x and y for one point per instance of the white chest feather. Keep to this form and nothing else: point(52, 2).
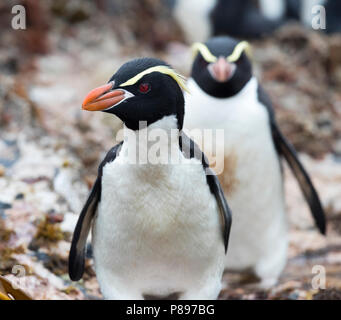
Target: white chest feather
point(251, 178)
point(157, 230)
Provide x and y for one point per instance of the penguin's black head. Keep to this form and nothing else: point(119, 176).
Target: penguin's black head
point(144, 89)
point(221, 67)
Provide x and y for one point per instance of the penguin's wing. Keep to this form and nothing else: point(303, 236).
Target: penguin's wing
point(285, 148)
point(191, 150)
point(80, 235)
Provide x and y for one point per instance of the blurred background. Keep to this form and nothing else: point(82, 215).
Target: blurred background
point(50, 149)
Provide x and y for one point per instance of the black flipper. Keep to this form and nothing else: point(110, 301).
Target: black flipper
point(191, 150)
point(285, 149)
point(80, 235)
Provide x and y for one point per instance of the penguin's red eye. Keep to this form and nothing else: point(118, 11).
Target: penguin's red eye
point(144, 87)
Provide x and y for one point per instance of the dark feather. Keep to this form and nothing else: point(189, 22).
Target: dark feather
point(191, 150)
point(285, 149)
point(80, 235)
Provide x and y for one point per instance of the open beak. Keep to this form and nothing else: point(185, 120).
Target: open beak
point(102, 98)
point(222, 70)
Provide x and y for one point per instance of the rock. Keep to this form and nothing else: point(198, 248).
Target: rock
point(328, 294)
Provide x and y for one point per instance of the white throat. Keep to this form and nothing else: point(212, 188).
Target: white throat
point(250, 89)
point(156, 144)
point(208, 112)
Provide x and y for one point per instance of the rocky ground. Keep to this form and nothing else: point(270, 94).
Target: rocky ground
point(49, 149)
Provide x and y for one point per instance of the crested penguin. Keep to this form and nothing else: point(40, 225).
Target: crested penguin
point(160, 226)
point(225, 95)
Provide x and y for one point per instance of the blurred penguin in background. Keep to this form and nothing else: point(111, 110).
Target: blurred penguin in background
point(225, 95)
point(250, 19)
point(239, 18)
point(333, 11)
point(305, 10)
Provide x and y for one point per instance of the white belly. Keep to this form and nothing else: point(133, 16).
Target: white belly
point(255, 193)
point(251, 178)
point(157, 232)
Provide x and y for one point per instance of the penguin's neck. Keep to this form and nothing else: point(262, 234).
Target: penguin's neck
point(249, 91)
point(153, 145)
point(206, 111)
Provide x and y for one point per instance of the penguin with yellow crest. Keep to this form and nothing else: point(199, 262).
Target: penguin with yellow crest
point(224, 94)
point(160, 229)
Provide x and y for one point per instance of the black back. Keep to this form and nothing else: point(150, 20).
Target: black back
point(241, 19)
point(285, 149)
point(83, 226)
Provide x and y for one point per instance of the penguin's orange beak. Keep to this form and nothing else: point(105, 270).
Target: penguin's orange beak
point(102, 98)
point(222, 70)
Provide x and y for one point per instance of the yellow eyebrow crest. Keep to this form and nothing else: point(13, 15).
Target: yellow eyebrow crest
point(204, 51)
point(233, 57)
point(162, 69)
point(238, 50)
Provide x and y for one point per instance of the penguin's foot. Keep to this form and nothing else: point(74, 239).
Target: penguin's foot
point(253, 282)
point(269, 268)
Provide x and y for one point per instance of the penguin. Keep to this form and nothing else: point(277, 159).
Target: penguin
point(247, 18)
point(225, 95)
point(160, 230)
point(243, 19)
point(333, 16)
point(303, 11)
